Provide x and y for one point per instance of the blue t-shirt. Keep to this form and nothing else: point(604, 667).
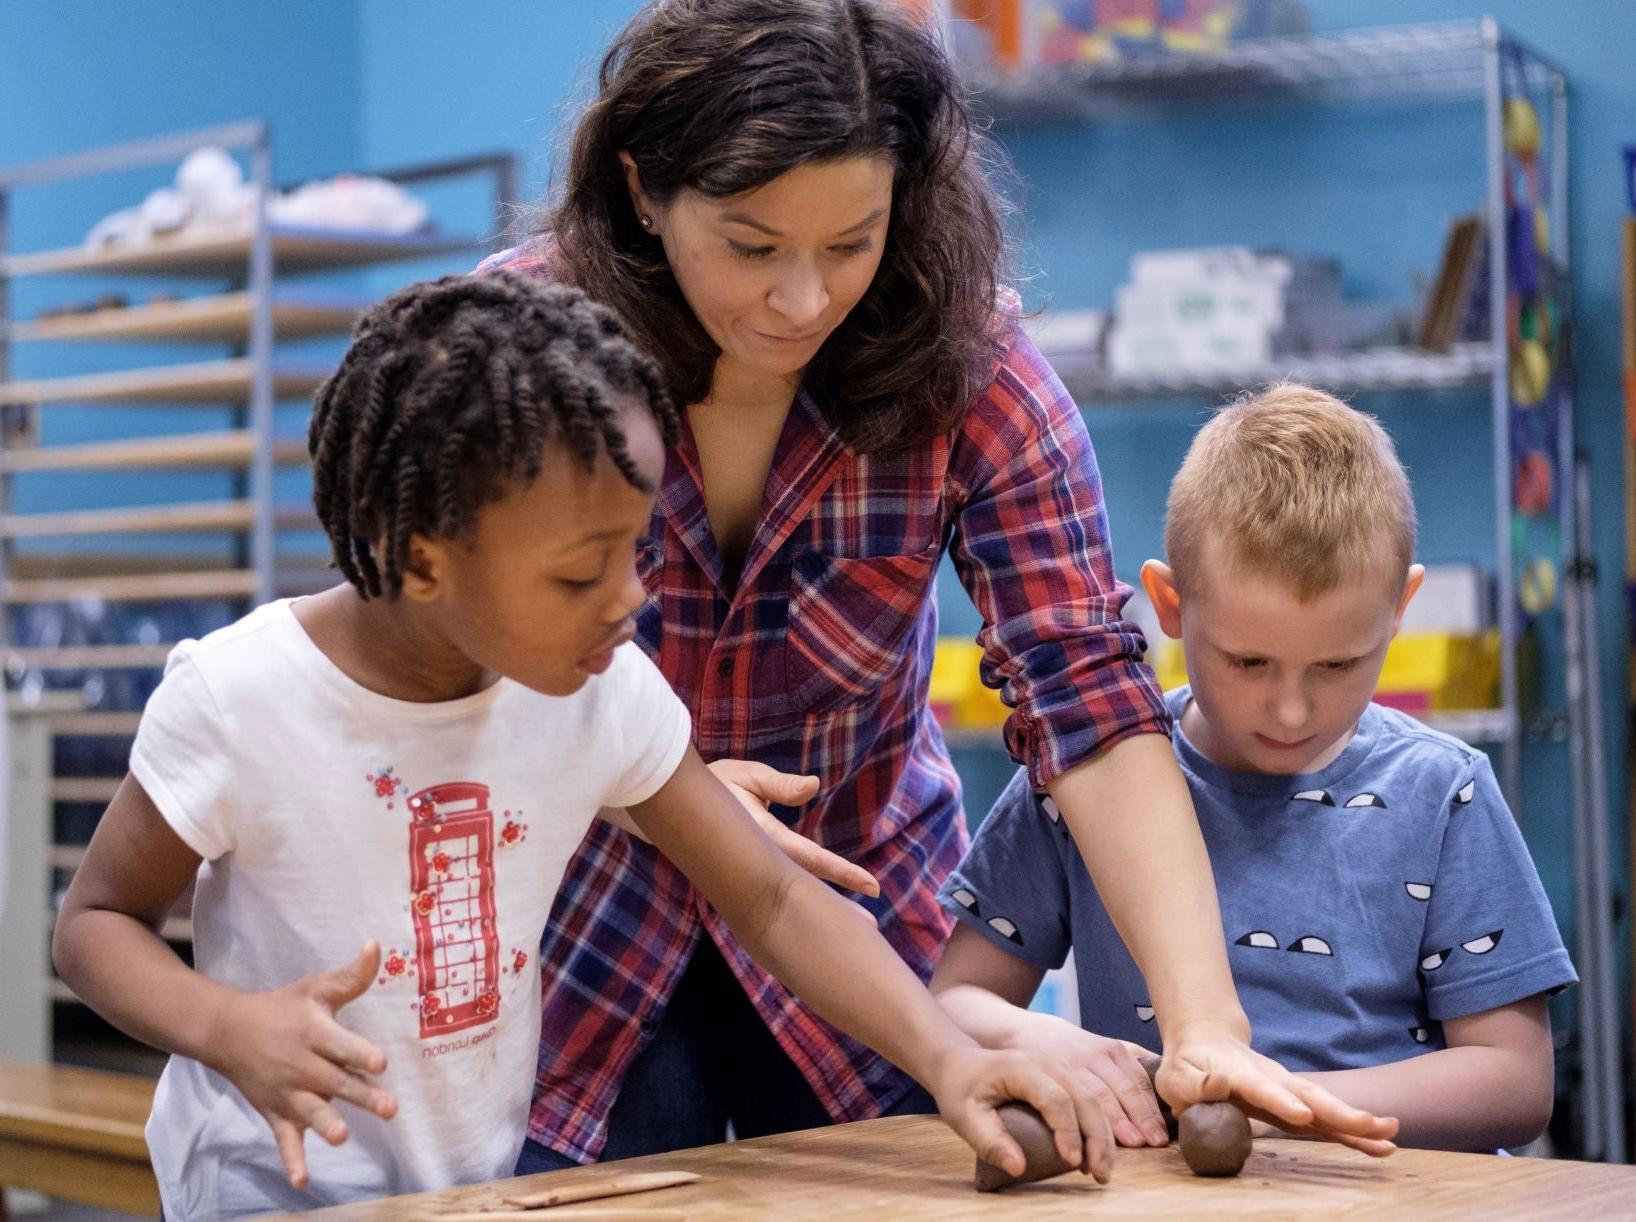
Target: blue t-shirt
point(1362, 904)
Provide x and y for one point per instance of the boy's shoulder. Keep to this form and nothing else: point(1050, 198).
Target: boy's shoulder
point(1414, 754)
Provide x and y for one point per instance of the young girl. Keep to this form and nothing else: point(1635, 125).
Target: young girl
point(408, 761)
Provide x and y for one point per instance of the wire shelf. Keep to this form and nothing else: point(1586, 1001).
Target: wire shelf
point(1380, 369)
point(1408, 61)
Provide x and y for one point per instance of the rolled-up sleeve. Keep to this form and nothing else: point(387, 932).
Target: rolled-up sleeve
point(1030, 543)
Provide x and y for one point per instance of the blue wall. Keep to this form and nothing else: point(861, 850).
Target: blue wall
point(78, 74)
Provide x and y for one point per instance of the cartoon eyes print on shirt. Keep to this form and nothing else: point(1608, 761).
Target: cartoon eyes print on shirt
point(1477, 946)
point(1323, 797)
point(1467, 792)
point(1484, 944)
point(1006, 929)
point(1420, 1035)
point(1144, 1012)
point(1309, 944)
point(1419, 891)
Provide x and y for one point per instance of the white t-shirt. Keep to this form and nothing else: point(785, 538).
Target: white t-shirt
point(328, 814)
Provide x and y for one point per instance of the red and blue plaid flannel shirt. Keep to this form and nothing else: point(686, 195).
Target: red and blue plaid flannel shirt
point(818, 662)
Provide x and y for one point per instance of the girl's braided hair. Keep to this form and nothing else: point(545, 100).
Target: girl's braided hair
point(449, 393)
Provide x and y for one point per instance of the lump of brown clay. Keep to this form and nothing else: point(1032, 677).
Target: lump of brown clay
point(1039, 1149)
point(1215, 1138)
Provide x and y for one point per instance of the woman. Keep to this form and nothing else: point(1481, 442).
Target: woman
point(785, 200)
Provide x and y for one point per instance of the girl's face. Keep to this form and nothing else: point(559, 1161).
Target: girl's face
point(771, 273)
point(545, 587)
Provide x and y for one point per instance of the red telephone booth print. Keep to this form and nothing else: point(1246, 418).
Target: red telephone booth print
point(451, 878)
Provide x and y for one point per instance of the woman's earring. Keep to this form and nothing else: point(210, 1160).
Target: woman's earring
point(647, 222)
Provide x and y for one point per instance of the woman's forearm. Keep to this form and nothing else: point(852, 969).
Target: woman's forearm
point(1470, 1098)
point(1132, 818)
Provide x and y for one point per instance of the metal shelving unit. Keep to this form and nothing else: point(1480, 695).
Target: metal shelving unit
point(1429, 60)
point(1448, 61)
point(1382, 369)
point(242, 307)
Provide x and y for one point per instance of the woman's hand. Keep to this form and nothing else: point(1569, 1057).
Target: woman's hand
point(1208, 1062)
point(755, 785)
point(971, 1082)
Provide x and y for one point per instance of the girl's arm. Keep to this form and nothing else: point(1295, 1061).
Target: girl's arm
point(283, 1049)
point(1491, 1087)
point(987, 992)
point(829, 954)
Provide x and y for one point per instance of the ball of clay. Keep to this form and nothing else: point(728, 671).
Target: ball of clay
point(1039, 1147)
point(1215, 1138)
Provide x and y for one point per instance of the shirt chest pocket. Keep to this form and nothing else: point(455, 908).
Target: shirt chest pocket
point(849, 623)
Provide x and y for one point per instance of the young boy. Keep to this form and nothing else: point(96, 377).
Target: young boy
point(408, 760)
point(1387, 931)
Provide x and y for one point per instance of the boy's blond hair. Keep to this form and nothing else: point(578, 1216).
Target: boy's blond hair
point(1291, 484)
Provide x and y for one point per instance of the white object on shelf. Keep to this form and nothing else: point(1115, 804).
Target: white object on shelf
point(1077, 331)
point(1455, 598)
point(1221, 308)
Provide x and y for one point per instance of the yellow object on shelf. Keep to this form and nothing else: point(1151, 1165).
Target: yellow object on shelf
point(957, 696)
point(1424, 671)
point(1169, 663)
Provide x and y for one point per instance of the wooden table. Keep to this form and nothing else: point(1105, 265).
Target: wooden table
point(914, 1167)
point(76, 1134)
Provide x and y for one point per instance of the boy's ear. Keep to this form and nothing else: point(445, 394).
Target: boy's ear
point(423, 570)
point(1417, 574)
point(1160, 584)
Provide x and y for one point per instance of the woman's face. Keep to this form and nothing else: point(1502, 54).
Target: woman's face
point(771, 273)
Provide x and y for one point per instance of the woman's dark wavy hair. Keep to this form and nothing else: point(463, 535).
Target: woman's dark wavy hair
point(723, 96)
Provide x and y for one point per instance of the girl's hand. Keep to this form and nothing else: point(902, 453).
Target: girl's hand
point(1108, 1070)
point(755, 785)
point(1209, 1062)
point(971, 1082)
point(289, 1057)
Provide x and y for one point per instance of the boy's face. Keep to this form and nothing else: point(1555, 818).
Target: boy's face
point(1278, 684)
point(545, 587)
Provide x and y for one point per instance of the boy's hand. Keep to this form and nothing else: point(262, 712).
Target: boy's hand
point(755, 785)
point(1207, 1063)
point(289, 1057)
point(971, 1082)
point(1108, 1070)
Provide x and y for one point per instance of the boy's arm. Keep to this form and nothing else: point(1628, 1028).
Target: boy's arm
point(1491, 1087)
point(818, 945)
point(282, 1049)
point(1132, 819)
point(986, 992)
